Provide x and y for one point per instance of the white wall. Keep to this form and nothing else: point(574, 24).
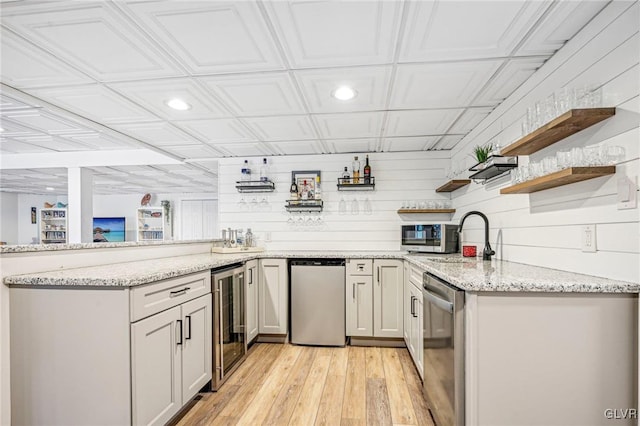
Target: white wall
point(398, 177)
point(545, 228)
point(8, 217)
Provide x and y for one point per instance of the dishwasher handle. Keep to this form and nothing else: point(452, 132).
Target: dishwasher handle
point(437, 301)
point(317, 262)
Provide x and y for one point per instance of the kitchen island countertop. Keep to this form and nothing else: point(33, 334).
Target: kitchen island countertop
point(469, 274)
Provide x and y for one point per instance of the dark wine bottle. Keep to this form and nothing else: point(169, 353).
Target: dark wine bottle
point(294, 191)
point(367, 171)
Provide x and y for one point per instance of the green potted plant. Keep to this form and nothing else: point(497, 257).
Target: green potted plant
point(482, 152)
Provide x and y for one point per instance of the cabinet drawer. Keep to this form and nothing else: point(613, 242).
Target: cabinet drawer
point(360, 267)
point(155, 297)
point(416, 275)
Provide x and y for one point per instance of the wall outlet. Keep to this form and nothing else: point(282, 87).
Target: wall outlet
point(589, 238)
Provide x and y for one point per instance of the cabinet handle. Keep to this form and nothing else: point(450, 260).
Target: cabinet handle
point(178, 292)
point(179, 323)
point(354, 291)
point(412, 308)
point(188, 335)
point(378, 275)
point(250, 276)
point(360, 266)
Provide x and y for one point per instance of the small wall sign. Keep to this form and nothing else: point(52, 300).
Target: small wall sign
point(34, 215)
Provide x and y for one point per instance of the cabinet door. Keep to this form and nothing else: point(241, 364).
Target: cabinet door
point(416, 328)
point(273, 296)
point(196, 347)
point(359, 306)
point(388, 305)
point(156, 359)
point(407, 306)
point(251, 290)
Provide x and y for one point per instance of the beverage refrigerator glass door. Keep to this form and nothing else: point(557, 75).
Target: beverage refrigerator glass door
point(229, 323)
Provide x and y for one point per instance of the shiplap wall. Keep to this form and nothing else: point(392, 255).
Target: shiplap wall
point(398, 177)
point(545, 228)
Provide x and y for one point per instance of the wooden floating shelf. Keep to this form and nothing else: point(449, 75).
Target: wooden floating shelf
point(452, 185)
point(559, 128)
point(563, 177)
point(413, 211)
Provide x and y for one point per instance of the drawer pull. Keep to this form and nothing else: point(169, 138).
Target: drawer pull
point(178, 292)
point(188, 334)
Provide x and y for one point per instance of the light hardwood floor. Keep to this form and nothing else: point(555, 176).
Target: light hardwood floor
point(300, 385)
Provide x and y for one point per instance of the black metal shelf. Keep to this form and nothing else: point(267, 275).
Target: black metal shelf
point(364, 184)
point(304, 205)
point(495, 166)
point(255, 186)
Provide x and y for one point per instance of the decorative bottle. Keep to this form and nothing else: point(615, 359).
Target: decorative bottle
point(246, 171)
point(367, 171)
point(356, 170)
point(294, 191)
point(318, 193)
point(345, 176)
point(264, 171)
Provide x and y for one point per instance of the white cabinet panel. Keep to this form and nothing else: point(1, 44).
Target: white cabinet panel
point(196, 346)
point(359, 293)
point(251, 290)
point(156, 360)
point(387, 297)
point(273, 296)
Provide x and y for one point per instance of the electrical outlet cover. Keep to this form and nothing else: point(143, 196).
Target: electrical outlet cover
point(627, 193)
point(589, 238)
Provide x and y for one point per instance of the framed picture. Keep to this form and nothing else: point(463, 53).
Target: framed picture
point(306, 181)
point(34, 213)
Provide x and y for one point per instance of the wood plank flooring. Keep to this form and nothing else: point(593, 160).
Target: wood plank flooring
point(301, 385)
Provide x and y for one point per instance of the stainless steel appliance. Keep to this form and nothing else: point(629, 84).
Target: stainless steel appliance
point(318, 302)
point(443, 329)
point(430, 238)
point(229, 322)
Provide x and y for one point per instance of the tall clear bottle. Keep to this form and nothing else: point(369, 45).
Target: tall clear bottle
point(355, 167)
point(246, 171)
point(264, 171)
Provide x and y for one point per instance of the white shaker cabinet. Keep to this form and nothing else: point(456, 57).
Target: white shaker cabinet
point(251, 290)
point(387, 298)
point(414, 315)
point(374, 298)
point(273, 296)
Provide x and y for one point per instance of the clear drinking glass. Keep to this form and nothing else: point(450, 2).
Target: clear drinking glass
point(368, 209)
point(614, 154)
point(563, 100)
point(563, 159)
point(577, 157)
point(355, 206)
point(342, 206)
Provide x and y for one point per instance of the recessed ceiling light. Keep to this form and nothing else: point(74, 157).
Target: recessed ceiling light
point(50, 188)
point(344, 93)
point(178, 104)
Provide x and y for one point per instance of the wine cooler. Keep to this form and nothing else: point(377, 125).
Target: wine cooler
point(229, 322)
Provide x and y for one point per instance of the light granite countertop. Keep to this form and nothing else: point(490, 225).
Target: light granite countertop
point(30, 248)
point(467, 274)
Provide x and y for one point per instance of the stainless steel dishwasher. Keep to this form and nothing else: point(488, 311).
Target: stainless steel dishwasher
point(318, 302)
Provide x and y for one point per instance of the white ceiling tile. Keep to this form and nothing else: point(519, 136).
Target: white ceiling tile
point(11, 129)
point(11, 146)
point(349, 125)
point(257, 94)
point(44, 122)
point(217, 131)
point(293, 127)
point(420, 122)
point(70, 30)
point(296, 148)
point(448, 30)
point(440, 85)
point(408, 143)
point(514, 73)
point(330, 33)
point(101, 141)
point(192, 151)
point(158, 133)
point(470, 119)
point(564, 21)
point(340, 146)
point(245, 149)
point(55, 143)
point(154, 95)
point(448, 141)
point(8, 103)
point(97, 103)
point(371, 85)
point(24, 66)
point(211, 37)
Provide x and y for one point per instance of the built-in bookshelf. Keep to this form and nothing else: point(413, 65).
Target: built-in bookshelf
point(53, 226)
point(150, 224)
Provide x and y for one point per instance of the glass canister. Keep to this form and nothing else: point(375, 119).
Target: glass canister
point(248, 238)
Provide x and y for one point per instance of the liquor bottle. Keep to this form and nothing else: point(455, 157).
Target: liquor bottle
point(294, 191)
point(264, 171)
point(318, 194)
point(345, 176)
point(246, 171)
point(356, 170)
point(367, 171)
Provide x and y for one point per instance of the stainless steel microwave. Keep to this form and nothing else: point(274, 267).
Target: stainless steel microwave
point(430, 238)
